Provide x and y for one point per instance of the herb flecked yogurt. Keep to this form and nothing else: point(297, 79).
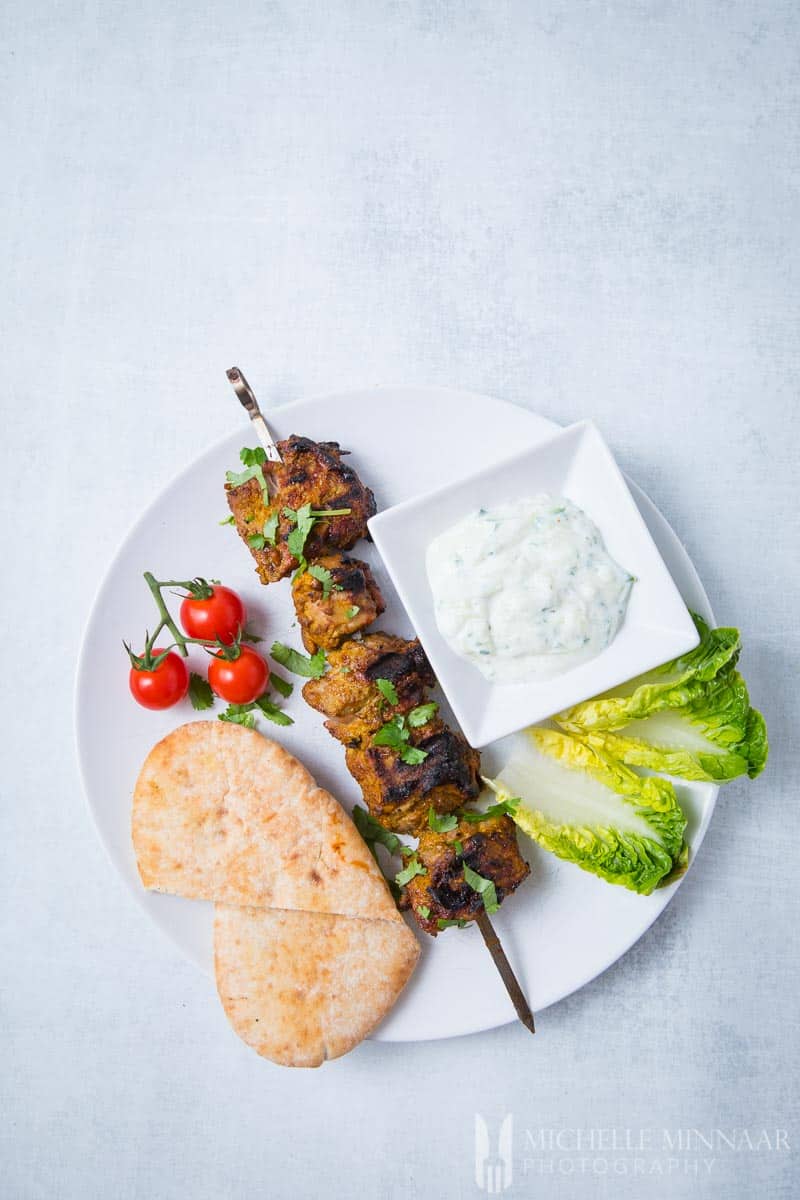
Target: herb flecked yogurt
point(526, 590)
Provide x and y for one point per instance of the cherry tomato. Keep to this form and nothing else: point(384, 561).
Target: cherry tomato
point(239, 680)
point(163, 687)
point(222, 615)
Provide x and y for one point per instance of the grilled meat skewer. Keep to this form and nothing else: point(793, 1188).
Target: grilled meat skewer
point(398, 793)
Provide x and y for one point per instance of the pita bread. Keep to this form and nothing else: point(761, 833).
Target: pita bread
point(303, 987)
point(222, 813)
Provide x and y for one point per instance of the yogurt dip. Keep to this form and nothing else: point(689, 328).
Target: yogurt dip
point(526, 590)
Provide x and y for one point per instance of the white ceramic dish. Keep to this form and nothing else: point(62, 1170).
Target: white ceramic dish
point(577, 463)
point(563, 927)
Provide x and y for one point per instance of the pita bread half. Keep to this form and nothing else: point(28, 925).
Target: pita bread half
point(222, 813)
point(303, 987)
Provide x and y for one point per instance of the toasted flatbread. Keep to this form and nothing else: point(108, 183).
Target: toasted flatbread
point(303, 987)
point(221, 813)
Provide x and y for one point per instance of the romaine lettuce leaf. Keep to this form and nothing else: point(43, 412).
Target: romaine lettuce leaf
point(589, 809)
point(716, 737)
point(673, 685)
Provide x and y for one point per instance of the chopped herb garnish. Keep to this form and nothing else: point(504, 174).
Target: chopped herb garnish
point(503, 808)
point(409, 872)
point(323, 575)
point(423, 911)
point(374, 833)
point(387, 690)
point(231, 520)
point(256, 541)
point(422, 714)
point(449, 923)
point(305, 518)
point(443, 823)
point(239, 714)
point(353, 611)
point(393, 734)
point(458, 847)
point(484, 887)
point(253, 457)
point(280, 684)
point(297, 663)
point(272, 712)
point(200, 693)
point(413, 755)
point(270, 529)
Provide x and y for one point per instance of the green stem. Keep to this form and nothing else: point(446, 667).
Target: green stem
point(166, 620)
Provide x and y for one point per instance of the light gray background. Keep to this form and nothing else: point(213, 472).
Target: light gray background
point(590, 209)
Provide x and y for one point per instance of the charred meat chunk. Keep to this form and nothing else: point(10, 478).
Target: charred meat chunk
point(488, 847)
point(311, 473)
point(348, 693)
point(341, 599)
point(399, 794)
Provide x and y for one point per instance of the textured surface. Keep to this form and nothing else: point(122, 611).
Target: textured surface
point(590, 209)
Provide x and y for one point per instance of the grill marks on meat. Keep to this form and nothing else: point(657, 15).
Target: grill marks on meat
point(347, 694)
point(353, 603)
point(311, 473)
point(400, 794)
point(488, 847)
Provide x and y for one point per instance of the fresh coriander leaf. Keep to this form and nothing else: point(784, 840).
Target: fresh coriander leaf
point(423, 911)
point(280, 684)
point(270, 529)
point(237, 478)
point(408, 873)
point(353, 611)
point(387, 690)
point(200, 693)
point(393, 733)
point(231, 520)
point(256, 541)
point(239, 714)
point(485, 888)
point(253, 457)
point(503, 808)
point(296, 542)
point(443, 823)
point(373, 832)
point(448, 923)
point(412, 755)
point(422, 714)
point(323, 575)
point(458, 847)
point(299, 664)
point(272, 712)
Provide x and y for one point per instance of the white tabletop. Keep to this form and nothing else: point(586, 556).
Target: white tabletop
point(588, 209)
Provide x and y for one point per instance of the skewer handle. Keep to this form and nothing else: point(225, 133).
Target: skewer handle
point(250, 404)
point(506, 973)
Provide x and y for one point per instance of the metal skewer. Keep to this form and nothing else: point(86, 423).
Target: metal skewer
point(250, 404)
point(492, 941)
point(506, 973)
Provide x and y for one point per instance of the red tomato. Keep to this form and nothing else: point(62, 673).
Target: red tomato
point(163, 687)
point(222, 615)
point(239, 680)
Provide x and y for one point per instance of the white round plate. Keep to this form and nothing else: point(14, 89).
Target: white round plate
point(564, 926)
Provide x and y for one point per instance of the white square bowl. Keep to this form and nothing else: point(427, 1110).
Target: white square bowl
point(577, 463)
